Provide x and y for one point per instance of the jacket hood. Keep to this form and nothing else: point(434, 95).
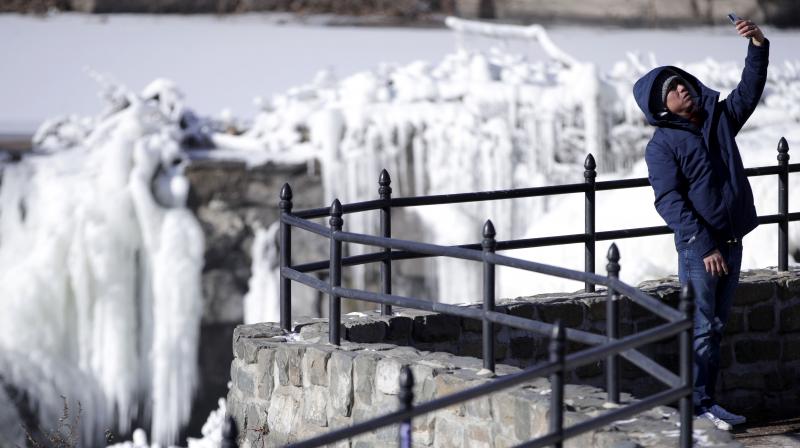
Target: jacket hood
point(643, 91)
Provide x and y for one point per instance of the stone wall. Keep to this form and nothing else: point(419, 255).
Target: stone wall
point(286, 390)
point(289, 388)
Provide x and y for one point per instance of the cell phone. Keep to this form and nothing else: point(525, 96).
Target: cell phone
point(733, 18)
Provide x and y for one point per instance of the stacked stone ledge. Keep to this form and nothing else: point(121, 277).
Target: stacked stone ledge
point(288, 388)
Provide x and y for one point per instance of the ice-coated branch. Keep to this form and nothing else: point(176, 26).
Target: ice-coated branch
point(535, 33)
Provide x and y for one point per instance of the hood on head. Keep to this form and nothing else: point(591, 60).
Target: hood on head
point(647, 92)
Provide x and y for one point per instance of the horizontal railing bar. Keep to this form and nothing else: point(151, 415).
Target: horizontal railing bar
point(516, 193)
point(599, 352)
point(495, 385)
point(308, 280)
point(478, 196)
point(547, 269)
point(414, 246)
point(653, 368)
point(346, 208)
point(658, 399)
point(313, 227)
point(621, 184)
point(642, 299)
point(632, 233)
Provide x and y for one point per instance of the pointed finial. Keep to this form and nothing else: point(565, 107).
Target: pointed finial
point(589, 163)
point(613, 261)
point(783, 150)
point(286, 192)
point(285, 203)
point(488, 229)
point(384, 190)
point(384, 178)
point(336, 221)
point(489, 242)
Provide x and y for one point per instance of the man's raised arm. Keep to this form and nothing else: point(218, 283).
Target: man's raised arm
point(743, 100)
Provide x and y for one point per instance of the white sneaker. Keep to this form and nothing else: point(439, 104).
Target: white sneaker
point(719, 423)
point(728, 417)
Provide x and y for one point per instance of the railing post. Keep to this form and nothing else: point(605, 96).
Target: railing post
point(406, 401)
point(783, 205)
point(385, 193)
point(687, 359)
point(612, 326)
point(557, 355)
point(229, 433)
point(285, 207)
point(334, 306)
point(589, 217)
point(489, 245)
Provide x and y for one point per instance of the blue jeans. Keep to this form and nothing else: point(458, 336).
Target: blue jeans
point(713, 298)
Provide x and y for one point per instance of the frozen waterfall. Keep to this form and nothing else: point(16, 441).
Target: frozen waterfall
point(99, 276)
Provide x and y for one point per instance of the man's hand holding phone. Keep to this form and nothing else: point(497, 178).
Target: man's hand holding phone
point(748, 29)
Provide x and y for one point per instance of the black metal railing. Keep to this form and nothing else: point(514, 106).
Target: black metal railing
point(610, 347)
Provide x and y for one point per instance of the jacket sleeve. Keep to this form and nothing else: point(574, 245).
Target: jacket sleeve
point(742, 101)
point(671, 203)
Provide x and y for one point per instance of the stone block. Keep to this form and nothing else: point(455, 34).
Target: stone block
point(790, 319)
point(748, 293)
point(315, 405)
point(735, 322)
point(737, 381)
point(387, 376)
point(531, 414)
point(363, 378)
point(596, 310)
point(790, 350)
point(480, 408)
point(478, 435)
point(340, 379)
point(449, 432)
point(436, 328)
point(472, 325)
point(789, 288)
point(400, 328)
point(365, 330)
point(447, 384)
point(265, 366)
point(521, 309)
point(725, 356)
point(761, 318)
point(424, 384)
point(284, 416)
point(568, 312)
point(256, 427)
point(523, 347)
point(246, 379)
point(750, 351)
point(288, 364)
point(423, 428)
point(589, 370)
point(315, 366)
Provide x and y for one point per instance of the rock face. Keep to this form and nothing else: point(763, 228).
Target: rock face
point(230, 200)
point(292, 388)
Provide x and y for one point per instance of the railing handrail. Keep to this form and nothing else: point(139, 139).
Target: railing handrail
point(514, 193)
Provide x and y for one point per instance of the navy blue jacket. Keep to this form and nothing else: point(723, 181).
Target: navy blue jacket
point(697, 175)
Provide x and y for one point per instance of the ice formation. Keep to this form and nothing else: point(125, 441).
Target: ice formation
point(485, 119)
point(100, 265)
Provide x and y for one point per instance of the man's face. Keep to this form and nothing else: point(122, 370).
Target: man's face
point(679, 102)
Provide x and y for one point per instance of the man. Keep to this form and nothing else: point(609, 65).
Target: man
point(702, 193)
